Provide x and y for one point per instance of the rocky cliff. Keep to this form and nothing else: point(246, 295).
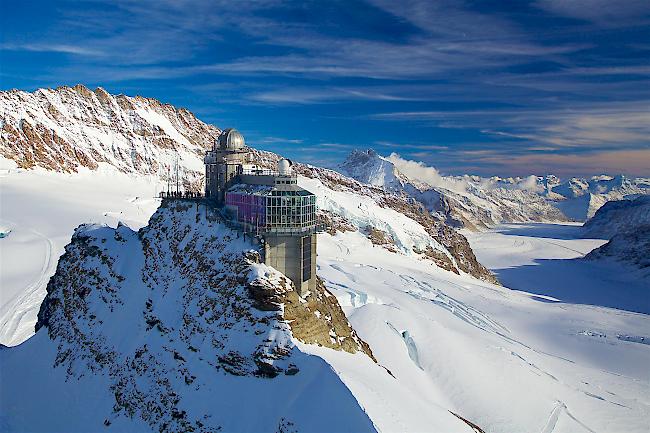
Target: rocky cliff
point(626, 223)
point(618, 216)
point(178, 327)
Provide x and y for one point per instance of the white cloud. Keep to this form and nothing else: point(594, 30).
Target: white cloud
point(418, 172)
point(52, 48)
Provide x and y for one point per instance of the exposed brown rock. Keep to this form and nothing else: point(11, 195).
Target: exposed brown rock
point(334, 223)
point(58, 130)
point(314, 318)
point(317, 318)
point(438, 257)
point(381, 238)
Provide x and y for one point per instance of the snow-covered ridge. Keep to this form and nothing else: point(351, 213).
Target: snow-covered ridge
point(474, 202)
point(618, 216)
point(155, 324)
point(67, 128)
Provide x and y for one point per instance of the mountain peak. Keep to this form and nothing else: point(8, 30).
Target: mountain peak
point(369, 167)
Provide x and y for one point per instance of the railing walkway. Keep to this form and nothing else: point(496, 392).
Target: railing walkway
point(182, 195)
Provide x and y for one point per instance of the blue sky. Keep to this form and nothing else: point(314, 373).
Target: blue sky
point(491, 88)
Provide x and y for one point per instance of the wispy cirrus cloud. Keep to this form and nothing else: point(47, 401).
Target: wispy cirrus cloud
point(603, 125)
point(460, 79)
point(51, 48)
point(267, 140)
point(308, 95)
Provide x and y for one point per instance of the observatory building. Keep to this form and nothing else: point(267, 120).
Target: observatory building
point(267, 204)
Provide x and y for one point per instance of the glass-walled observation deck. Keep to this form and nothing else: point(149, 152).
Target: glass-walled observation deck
point(261, 209)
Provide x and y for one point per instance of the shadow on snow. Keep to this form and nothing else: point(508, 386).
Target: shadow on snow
point(539, 230)
point(597, 283)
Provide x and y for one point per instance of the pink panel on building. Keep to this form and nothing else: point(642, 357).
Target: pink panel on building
point(251, 208)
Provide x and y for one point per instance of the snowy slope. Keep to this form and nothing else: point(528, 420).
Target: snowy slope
point(40, 210)
point(617, 217)
point(628, 247)
point(369, 167)
point(163, 332)
point(547, 259)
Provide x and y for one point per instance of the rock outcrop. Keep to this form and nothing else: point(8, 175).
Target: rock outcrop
point(630, 247)
point(617, 217)
point(626, 223)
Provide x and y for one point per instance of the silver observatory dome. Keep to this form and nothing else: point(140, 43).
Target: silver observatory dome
point(231, 139)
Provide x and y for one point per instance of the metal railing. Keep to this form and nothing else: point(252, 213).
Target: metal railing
point(258, 172)
point(184, 195)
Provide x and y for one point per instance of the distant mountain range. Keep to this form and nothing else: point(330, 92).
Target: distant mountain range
point(474, 202)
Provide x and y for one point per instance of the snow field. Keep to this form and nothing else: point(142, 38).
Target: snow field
point(506, 360)
point(42, 209)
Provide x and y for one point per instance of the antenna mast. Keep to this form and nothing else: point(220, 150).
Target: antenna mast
point(177, 177)
point(169, 177)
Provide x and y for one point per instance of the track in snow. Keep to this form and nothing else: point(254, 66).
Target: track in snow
point(12, 321)
point(553, 418)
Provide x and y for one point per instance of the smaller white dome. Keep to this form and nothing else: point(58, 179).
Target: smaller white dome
point(284, 167)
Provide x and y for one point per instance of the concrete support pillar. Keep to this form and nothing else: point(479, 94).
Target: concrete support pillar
point(290, 255)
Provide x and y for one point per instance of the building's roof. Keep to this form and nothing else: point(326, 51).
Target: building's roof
point(276, 190)
point(246, 188)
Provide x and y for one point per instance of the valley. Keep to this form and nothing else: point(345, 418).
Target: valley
point(545, 259)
